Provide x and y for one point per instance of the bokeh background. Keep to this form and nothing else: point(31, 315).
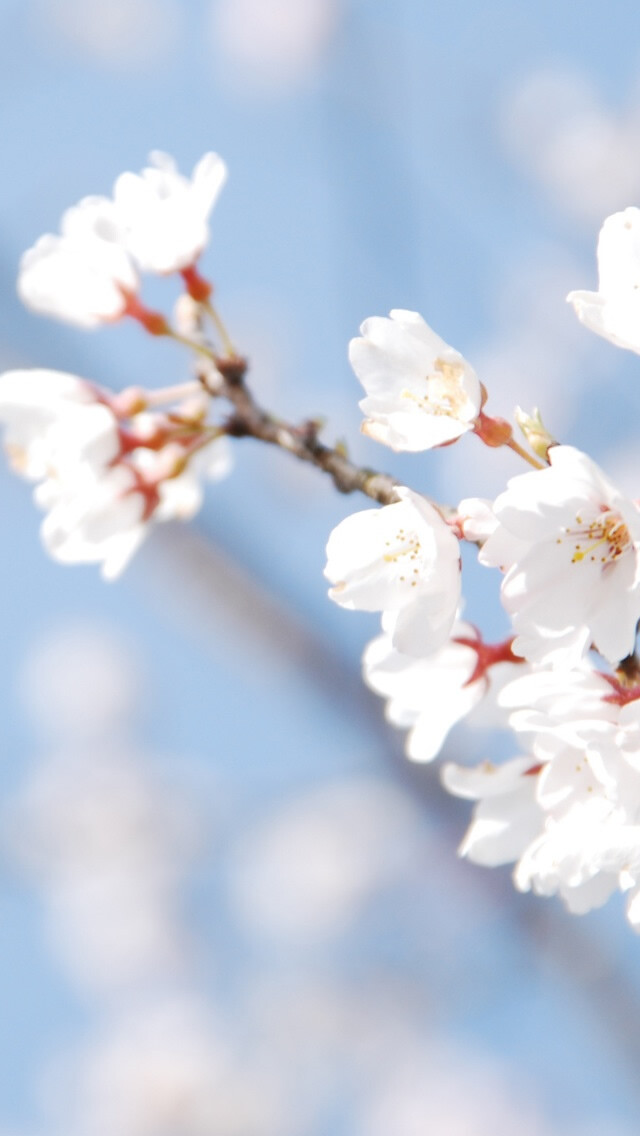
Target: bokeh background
point(228, 905)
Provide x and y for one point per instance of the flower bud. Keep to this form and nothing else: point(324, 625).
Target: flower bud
point(535, 432)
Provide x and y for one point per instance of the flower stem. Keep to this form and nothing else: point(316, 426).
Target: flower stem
point(249, 420)
point(229, 349)
point(517, 449)
point(192, 344)
point(172, 394)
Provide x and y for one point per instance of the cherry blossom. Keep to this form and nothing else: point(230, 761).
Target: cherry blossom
point(568, 543)
point(107, 466)
point(581, 705)
point(165, 215)
point(104, 519)
point(84, 276)
point(106, 469)
point(571, 823)
point(508, 815)
point(429, 695)
point(95, 520)
point(420, 392)
point(179, 483)
point(402, 558)
point(614, 310)
point(33, 406)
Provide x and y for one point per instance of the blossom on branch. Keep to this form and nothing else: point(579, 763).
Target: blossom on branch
point(52, 418)
point(568, 543)
point(108, 465)
point(507, 816)
point(420, 392)
point(84, 276)
point(165, 215)
point(582, 706)
point(402, 558)
point(428, 695)
point(157, 222)
point(105, 470)
point(572, 823)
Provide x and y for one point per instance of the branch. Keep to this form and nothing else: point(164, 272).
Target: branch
point(249, 420)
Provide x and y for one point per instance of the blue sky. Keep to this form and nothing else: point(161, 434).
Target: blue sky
point(385, 155)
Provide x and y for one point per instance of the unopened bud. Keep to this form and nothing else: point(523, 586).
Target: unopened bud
point(535, 432)
point(493, 431)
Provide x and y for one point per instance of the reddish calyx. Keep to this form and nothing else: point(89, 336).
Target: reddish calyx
point(534, 770)
point(148, 490)
point(488, 655)
point(621, 695)
point(153, 322)
point(198, 288)
point(492, 431)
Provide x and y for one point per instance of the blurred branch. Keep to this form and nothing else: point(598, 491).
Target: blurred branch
point(214, 582)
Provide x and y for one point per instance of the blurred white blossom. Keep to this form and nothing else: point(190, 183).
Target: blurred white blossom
point(614, 310)
point(164, 215)
point(585, 154)
point(123, 34)
point(271, 46)
point(306, 871)
point(84, 275)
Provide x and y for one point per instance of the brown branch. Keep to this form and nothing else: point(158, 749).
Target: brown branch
point(249, 420)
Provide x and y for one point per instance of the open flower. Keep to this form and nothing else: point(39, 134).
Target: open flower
point(420, 392)
point(164, 214)
point(52, 420)
point(582, 705)
point(96, 520)
point(429, 695)
point(402, 558)
point(507, 817)
point(614, 310)
point(571, 823)
point(85, 275)
point(568, 542)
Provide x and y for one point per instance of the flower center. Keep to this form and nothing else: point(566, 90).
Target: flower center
point(445, 393)
point(603, 539)
point(406, 551)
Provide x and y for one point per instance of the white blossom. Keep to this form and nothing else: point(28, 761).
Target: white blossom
point(164, 214)
point(568, 543)
point(85, 275)
point(95, 520)
point(181, 495)
point(614, 310)
point(402, 558)
point(34, 403)
point(101, 480)
point(507, 817)
point(420, 392)
point(571, 822)
point(429, 695)
point(581, 705)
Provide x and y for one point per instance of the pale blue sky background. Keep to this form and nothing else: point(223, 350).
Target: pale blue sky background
point(456, 159)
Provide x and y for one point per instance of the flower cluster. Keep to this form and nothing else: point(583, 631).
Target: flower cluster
point(567, 543)
point(565, 679)
point(108, 464)
point(156, 222)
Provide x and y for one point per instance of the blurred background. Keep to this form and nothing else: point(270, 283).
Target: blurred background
point(228, 905)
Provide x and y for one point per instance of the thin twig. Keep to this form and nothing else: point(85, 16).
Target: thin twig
point(250, 420)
